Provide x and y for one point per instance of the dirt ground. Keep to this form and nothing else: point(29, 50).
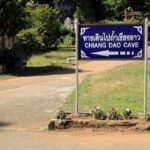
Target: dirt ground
point(27, 103)
point(84, 139)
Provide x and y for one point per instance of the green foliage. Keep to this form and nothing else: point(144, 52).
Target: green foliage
point(97, 113)
point(66, 8)
point(68, 41)
point(65, 30)
point(108, 21)
point(50, 2)
point(90, 11)
point(29, 40)
point(79, 15)
point(38, 63)
point(61, 115)
point(127, 113)
point(11, 17)
point(45, 20)
point(113, 114)
point(130, 5)
point(67, 36)
point(43, 32)
point(120, 6)
point(109, 2)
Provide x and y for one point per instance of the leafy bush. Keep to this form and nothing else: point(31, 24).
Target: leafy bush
point(68, 41)
point(65, 30)
point(14, 58)
point(97, 113)
point(18, 55)
point(127, 113)
point(45, 20)
point(29, 40)
point(113, 114)
point(60, 115)
point(67, 36)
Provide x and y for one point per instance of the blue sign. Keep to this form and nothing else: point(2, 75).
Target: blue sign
point(111, 41)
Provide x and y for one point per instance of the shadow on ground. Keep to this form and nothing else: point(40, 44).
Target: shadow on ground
point(3, 124)
point(44, 70)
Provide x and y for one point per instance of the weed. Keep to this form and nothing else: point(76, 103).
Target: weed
point(113, 114)
point(127, 113)
point(97, 113)
point(60, 115)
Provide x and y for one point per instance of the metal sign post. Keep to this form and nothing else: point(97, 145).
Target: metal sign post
point(145, 66)
point(76, 70)
point(125, 42)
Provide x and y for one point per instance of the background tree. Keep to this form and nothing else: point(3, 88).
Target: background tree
point(11, 18)
point(90, 11)
point(66, 8)
point(49, 2)
point(121, 8)
point(45, 20)
point(109, 9)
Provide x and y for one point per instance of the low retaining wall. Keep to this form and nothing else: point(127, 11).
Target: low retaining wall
point(83, 122)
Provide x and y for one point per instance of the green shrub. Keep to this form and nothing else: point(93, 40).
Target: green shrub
point(29, 40)
point(68, 41)
point(113, 114)
point(65, 30)
point(17, 57)
point(67, 36)
point(97, 113)
point(60, 115)
point(127, 113)
point(45, 20)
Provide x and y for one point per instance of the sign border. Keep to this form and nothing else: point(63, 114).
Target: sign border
point(79, 52)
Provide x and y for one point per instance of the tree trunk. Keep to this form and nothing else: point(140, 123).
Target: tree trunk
point(3, 42)
point(125, 14)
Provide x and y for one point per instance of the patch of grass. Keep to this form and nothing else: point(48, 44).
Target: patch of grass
point(119, 88)
point(47, 62)
point(5, 76)
point(53, 58)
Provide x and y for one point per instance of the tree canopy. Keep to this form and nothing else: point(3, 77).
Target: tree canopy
point(11, 17)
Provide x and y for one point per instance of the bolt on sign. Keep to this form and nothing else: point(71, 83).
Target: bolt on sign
point(111, 41)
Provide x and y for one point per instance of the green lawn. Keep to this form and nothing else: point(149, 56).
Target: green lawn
point(47, 62)
point(55, 58)
point(120, 88)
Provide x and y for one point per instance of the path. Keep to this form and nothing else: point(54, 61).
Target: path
point(26, 103)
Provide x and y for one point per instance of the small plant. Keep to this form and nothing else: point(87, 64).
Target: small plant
point(147, 117)
point(60, 115)
point(97, 113)
point(113, 115)
point(127, 113)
